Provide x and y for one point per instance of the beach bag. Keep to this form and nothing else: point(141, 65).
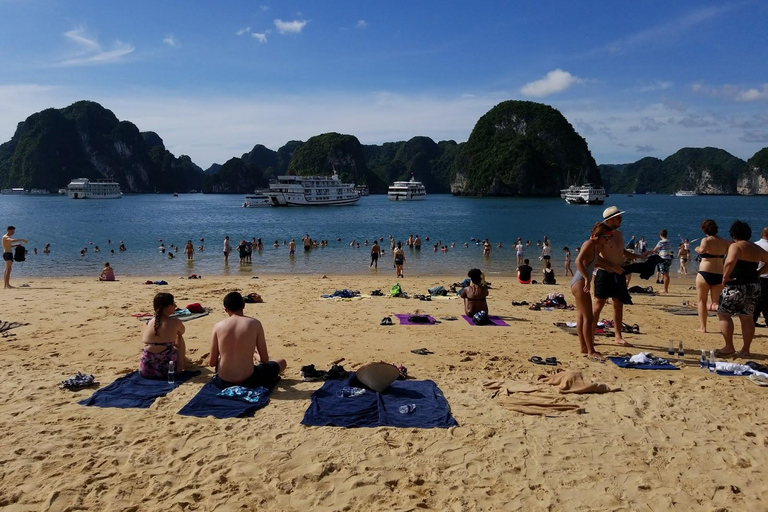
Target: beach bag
point(437, 291)
point(19, 253)
point(480, 318)
point(195, 307)
point(396, 291)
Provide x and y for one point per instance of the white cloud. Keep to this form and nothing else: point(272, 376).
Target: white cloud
point(555, 81)
point(290, 27)
point(90, 53)
point(260, 37)
point(171, 40)
point(658, 85)
point(733, 92)
point(361, 24)
point(264, 8)
point(242, 31)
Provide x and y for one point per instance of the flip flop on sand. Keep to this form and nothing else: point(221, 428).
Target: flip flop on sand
point(759, 380)
point(386, 321)
point(551, 361)
point(422, 351)
point(449, 318)
point(536, 360)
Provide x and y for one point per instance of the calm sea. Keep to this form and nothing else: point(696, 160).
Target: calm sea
point(142, 221)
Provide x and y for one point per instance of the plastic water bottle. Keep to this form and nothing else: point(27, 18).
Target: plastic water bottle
point(407, 409)
point(171, 372)
point(712, 365)
point(680, 351)
point(703, 364)
point(671, 349)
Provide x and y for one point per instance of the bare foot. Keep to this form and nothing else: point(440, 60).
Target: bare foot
point(9, 286)
point(702, 329)
point(724, 352)
point(623, 342)
point(596, 356)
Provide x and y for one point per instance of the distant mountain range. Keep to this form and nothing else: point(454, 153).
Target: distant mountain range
point(518, 148)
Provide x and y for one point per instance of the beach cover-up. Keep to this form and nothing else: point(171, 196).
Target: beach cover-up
point(575, 382)
point(529, 398)
point(423, 402)
point(492, 320)
point(404, 319)
point(655, 364)
point(232, 402)
point(134, 391)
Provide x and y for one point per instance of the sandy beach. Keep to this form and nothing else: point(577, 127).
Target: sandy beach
point(669, 440)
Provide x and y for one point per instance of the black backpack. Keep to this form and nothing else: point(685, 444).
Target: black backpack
point(20, 253)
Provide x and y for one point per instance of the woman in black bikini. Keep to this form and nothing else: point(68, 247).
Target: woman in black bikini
point(709, 280)
point(741, 288)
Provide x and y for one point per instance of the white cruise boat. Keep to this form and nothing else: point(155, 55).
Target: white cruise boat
point(257, 200)
point(311, 191)
point(363, 190)
point(686, 193)
point(585, 194)
point(83, 188)
point(407, 191)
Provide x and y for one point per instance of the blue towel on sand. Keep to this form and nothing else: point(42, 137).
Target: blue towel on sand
point(135, 391)
point(372, 409)
point(208, 402)
point(623, 362)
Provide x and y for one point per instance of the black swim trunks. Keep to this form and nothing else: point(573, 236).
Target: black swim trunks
point(611, 286)
point(7, 256)
point(739, 299)
point(266, 375)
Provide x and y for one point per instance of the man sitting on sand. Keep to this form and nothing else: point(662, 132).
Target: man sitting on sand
point(524, 272)
point(239, 350)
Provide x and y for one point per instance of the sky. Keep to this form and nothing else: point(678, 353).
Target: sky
point(213, 79)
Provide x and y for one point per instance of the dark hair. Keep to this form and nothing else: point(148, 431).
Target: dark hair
point(525, 261)
point(548, 264)
point(10, 228)
point(234, 302)
point(400, 245)
point(106, 263)
point(566, 248)
point(663, 233)
point(709, 227)
point(161, 301)
point(740, 230)
point(475, 275)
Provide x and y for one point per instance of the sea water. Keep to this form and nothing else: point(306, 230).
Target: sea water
point(142, 221)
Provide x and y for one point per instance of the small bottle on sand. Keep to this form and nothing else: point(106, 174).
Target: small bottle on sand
point(712, 365)
point(703, 361)
point(171, 372)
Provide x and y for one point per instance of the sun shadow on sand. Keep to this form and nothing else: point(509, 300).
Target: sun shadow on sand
point(285, 390)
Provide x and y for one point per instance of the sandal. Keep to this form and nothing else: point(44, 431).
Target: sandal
point(422, 351)
point(386, 321)
point(635, 329)
point(536, 360)
point(551, 361)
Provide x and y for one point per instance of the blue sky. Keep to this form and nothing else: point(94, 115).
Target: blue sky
point(213, 79)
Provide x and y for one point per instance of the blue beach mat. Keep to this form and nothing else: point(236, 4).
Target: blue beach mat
point(426, 406)
point(134, 391)
point(209, 402)
point(623, 362)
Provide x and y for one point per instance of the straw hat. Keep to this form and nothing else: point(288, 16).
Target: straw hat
point(611, 212)
point(377, 376)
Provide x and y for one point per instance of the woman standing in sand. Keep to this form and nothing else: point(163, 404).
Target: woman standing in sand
point(398, 258)
point(589, 254)
point(709, 280)
point(163, 340)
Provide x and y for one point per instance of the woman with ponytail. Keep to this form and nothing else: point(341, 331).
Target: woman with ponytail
point(163, 340)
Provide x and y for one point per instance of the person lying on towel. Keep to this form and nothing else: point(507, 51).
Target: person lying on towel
point(163, 340)
point(239, 350)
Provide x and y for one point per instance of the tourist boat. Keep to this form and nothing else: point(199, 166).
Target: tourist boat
point(363, 190)
point(585, 194)
point(175, 194)
point(311, 191)
point(257, 200)
point(686, 193)
point(18, 191)
point(83, 188)
point(62, 191)
point(407, 191)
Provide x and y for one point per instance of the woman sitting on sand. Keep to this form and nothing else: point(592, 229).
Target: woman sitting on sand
point(709, 280)
point(107, 273)
point(589, 254)
point(163, 340)
point(475, 294)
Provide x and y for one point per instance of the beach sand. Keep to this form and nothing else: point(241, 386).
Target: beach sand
point(669, 440)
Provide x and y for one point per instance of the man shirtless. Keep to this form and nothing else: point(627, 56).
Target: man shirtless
point(239, 350)
point(8, 244)
point(609, 283)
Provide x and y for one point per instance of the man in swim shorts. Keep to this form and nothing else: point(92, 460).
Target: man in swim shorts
point(239, 350)
point(762, 303)
point(8, 244)
point(609, 285)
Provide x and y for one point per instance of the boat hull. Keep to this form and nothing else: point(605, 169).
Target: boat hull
point(280, 199)
point(406, 198)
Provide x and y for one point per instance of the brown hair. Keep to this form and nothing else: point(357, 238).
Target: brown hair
point(764, 234)
point(663, 233)
point(600, 228)
point(709, 227)
point(160, 302)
